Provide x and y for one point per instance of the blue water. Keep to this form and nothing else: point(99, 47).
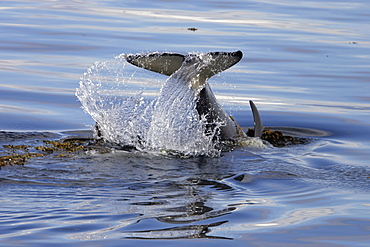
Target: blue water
point(306, 66)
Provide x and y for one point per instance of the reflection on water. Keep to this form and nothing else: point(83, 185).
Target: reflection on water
point(134, 195)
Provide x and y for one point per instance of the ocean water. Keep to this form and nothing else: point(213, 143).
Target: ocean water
point(306, 66)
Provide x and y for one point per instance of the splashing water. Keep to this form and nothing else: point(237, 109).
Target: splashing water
point(130, 110)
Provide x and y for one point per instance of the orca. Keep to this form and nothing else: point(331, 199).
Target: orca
point(194, 70)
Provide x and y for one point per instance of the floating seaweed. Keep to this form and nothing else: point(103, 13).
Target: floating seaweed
point(20, 154)
point(69, 147)
point(192, 29)
point(278, 139)
point(17, 159)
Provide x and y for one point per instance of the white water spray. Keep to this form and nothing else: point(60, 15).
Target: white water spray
point(131, 111)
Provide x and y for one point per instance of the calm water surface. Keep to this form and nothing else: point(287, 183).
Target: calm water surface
point(306, 66)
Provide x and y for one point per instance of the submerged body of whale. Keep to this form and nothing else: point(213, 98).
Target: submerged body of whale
point(191, 72)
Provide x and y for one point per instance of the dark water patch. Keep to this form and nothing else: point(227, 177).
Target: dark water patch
point(195, 212)
point(211, 183)
point(184, 232)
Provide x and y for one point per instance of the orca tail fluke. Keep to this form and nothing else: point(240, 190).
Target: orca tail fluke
point(167, 63)
point(258, 126)
point(164, 63)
